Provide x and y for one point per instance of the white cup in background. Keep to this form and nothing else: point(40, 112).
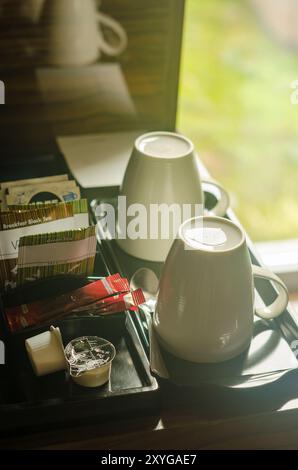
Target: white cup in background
point(163, 170)
point(73, 35)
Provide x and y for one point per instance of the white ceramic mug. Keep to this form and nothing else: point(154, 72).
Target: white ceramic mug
point(163, 170)
point(73, 33)
point(205, 305)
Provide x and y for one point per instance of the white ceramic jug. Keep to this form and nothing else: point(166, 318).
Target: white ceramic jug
point(206, 302)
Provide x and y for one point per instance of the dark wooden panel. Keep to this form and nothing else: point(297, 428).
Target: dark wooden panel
point(150, 67)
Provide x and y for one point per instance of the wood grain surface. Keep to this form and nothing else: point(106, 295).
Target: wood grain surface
point(150, 67)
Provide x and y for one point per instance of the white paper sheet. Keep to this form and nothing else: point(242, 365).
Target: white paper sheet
point(98, 160)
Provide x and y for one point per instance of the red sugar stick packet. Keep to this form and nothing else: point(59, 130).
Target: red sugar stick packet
point(42, 311)
point(117, 303)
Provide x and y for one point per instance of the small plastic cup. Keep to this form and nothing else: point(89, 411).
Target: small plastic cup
point(90, 360)
point(46, 352)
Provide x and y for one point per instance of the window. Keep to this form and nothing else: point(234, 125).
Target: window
point(240, 58)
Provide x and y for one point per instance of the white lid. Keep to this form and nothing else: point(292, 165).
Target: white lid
point(211, 234)
point(88, 352)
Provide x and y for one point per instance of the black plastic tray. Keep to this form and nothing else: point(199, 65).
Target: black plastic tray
point(30, 402)
point(270, 355)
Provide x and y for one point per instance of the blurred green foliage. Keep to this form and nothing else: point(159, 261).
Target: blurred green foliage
point(234, 103)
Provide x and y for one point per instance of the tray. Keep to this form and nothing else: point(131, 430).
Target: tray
point(28, 402)
point(271, 354)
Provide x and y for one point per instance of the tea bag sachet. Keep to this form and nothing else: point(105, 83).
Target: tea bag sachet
point(63, 191)
point(50, 254)
point(15, 224)
point(5, 186)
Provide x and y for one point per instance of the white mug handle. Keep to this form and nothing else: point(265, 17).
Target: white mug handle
point(280, 303)
point(118, 30)
point(223, 202)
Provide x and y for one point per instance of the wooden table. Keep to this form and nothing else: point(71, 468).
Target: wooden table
point(37, 112)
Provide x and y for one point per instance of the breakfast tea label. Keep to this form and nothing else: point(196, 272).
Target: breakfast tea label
point(79, 208)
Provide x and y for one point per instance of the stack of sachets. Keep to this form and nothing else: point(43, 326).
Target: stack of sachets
point(103, 297)
point(51, 189)
point(44, 231)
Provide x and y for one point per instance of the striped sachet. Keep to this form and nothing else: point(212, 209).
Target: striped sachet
point(15, 224)
point(51, 254)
